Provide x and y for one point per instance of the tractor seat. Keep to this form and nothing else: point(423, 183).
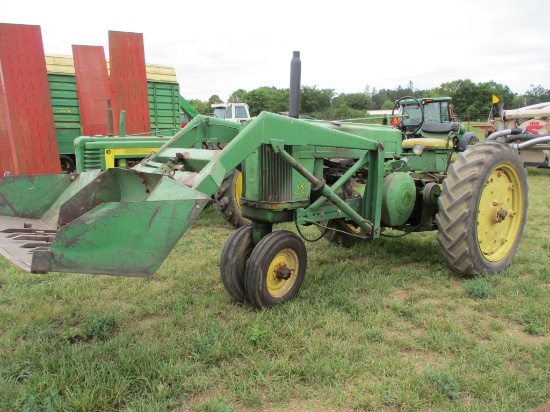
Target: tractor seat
point(439, 128)
point(427, 142)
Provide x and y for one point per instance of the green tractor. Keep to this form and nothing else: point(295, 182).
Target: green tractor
point(353, 181)
point(430, 118)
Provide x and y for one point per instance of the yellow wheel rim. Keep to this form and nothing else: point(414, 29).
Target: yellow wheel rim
point(353, 228)
point(282, 272)
point(65, 166)
point(500, 213)
point(238, 188)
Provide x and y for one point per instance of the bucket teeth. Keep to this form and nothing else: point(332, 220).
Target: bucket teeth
point(39, 237)
point(36, 246)
point(39, 240)
point(18, 230)
point(22, 241)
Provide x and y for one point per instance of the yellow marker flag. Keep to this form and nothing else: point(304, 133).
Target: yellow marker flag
point(495, 99)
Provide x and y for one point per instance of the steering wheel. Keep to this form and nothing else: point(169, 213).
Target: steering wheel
point(406, 115)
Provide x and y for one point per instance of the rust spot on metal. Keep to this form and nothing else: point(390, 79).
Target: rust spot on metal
point(4, 202)
point(283, 272)
point(188, 181)
point(145, 179)
point(152, 219)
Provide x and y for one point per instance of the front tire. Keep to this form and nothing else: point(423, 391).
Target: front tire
point(483, 209)
point(235, 253)
point(276, 269)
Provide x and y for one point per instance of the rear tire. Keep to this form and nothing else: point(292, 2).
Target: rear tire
point(341, 232)
point(276, 269)
point(483, 209)
point(67, 164)
point(228, 199)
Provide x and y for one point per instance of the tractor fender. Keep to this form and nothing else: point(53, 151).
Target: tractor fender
point(467, 139)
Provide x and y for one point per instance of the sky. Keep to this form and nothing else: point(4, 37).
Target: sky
point(217, 47)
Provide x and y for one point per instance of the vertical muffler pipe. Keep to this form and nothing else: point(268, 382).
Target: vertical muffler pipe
point(295, 74)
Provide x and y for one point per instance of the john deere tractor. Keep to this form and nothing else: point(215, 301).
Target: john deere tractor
point(351, 180)
point(431, 117)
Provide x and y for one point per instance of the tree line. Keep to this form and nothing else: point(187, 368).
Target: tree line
point(472, 101)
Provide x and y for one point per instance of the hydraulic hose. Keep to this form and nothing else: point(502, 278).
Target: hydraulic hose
point(524, 137)
point(539, 140)
point(505, 132)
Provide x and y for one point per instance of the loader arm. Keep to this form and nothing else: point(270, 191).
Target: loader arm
point(126, 221)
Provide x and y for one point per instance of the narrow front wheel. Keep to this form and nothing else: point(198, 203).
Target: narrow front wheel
point(235, 253)
point(276, 269)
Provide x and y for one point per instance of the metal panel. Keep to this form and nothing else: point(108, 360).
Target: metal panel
point(66, 112)
point(29, 144)
point(92, 81)
point(164, 107)
point(129, 80)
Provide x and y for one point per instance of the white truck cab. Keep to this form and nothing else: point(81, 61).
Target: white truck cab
point(234, 112)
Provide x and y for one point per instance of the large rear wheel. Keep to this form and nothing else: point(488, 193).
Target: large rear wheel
point(276, 269)
point(483, 209)
point(228, 198)
point(67, 164)
point(340, 231)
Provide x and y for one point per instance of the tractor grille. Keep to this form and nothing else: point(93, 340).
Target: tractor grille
point(92, 159)
point(276, 177)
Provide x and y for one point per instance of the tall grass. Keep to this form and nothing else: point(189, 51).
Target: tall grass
point(379, 326)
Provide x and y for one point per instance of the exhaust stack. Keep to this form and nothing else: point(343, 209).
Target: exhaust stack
point(295, 74)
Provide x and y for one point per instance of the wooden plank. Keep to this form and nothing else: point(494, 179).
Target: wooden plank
point(27, 134)
point(7, 148)
point(92, 88)
point(129, 81)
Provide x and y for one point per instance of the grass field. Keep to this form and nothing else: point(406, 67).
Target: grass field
point(382, 326)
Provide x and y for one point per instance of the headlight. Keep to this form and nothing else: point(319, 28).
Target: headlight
point(418, 149)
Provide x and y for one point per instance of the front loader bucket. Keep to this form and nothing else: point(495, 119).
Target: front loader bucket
point(116, 222)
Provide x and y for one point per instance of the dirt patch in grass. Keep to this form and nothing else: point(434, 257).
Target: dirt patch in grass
point(421, 360)
point(298, 405)
point(144, 323)
point(523, 337)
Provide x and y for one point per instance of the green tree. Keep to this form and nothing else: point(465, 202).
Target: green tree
point(313, 100)
point(537, 94)
point(238, 96)
point(473, 100)
point(357, 101)
point(214, 99)
point(258, 100)
point(341, 111)
point(387, 105)
point(268, 99)
point(202, 107)
point(519, 101)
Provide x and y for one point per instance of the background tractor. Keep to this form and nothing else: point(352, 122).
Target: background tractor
point(234, 112)
point(355, 182)
point(431, 118)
